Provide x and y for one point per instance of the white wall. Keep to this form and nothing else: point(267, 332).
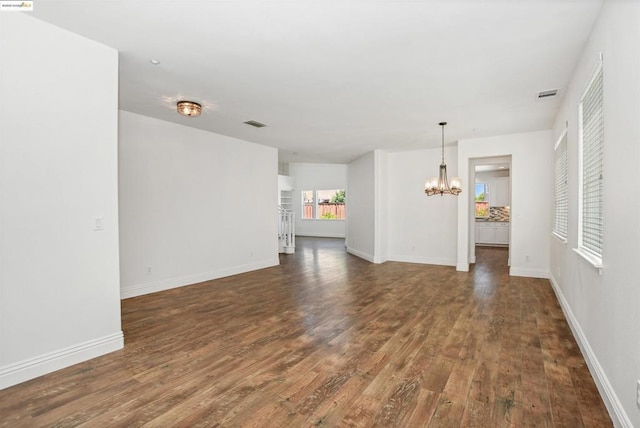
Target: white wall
point(604, 310)
point(59, 281)
point(421, 228)
point(381, 213)
point(531, 178)
point(361, 227)
point(318, 176)
point(194, 205)
point(481, 177)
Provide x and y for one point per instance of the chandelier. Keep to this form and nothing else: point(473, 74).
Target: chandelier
point(440, 185)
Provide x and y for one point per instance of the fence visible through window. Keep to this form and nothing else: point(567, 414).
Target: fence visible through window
point(324, 204)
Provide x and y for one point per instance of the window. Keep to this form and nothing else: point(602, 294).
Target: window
point(481, 200)
point(591, 128)
point(323, 204)
point(481, 192)
point(561, 210)
point(308, 204)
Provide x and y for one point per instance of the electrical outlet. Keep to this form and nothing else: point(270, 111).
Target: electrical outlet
point(638, 394)
point(148, 270)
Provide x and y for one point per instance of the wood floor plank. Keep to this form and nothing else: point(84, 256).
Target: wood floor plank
point(328, 339)
point(423, 411)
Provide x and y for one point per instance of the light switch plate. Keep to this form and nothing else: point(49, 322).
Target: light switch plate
point(98, 223)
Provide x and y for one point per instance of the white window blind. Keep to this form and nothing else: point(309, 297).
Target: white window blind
point(560, 218)
point(592, 143)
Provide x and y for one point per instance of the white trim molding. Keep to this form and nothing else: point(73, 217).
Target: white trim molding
point(611, 401)
point(529, 273)
point(322, 234)
point(462, 267)
point(368, 257)
point(592, 259)
point(181, 281)
point(22, 371)
point(441, 261)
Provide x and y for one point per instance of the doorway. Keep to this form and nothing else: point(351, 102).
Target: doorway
point(490, 219)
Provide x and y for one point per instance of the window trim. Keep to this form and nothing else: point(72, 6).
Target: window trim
point(555, 231)
point(592, 259)
point(315, 207)
point(591, 256)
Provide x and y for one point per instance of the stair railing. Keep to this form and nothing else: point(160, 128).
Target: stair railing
point(286, 230)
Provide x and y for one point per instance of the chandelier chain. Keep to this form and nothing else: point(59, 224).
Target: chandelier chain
point(442, 127)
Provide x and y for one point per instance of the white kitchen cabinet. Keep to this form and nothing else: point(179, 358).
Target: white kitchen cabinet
point(500, 195)
point(492, 233)
point(497, 191)
point(486, 235)
point(502, 233)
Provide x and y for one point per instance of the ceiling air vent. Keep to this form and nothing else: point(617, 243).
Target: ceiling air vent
point(255, 123)
point(547, 94)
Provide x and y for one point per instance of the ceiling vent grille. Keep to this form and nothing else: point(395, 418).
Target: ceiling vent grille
point(547, 94)
point(255, 123)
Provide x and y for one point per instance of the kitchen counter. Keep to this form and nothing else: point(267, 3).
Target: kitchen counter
point(496, 214)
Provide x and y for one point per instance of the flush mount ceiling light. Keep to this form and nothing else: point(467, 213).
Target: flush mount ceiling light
point(440, 185)
point(189, 108)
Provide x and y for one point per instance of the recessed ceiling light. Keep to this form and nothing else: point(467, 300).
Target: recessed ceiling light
point(500, 167)
point(154, 61)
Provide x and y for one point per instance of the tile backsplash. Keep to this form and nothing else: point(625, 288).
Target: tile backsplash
point(498, 214)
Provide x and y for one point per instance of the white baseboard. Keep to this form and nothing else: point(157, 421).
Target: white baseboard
point(379, 260)
point(166, 284)
point(529, 273)
point(22, 371)
point(462, 267)
point(321, 235)
point(442, 261)
point(368, 257)
point(614, 406)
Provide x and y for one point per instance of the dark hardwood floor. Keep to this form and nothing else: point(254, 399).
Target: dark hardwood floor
point(328, 339)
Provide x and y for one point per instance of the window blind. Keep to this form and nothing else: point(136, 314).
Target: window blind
point(560, 219)
point(592, 140)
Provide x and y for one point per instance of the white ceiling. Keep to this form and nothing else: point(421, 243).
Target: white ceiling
point(334, 79)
